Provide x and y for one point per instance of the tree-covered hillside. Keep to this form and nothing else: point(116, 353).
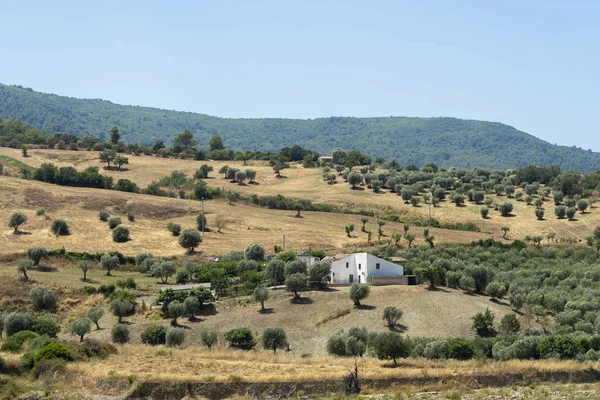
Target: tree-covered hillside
point(445, 141)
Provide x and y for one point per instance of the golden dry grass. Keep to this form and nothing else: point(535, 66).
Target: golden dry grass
point(302, 183)
point(200, 364)
point(249, 224)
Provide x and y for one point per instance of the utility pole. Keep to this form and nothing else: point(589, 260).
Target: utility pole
point(203, 216)
point(283, 243)
point(430, 199)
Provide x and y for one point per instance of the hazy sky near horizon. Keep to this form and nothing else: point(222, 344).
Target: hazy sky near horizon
point(534, 64)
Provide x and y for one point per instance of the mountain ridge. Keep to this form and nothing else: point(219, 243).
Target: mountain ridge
point(447, 141)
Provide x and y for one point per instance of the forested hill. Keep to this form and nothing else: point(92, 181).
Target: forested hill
point(446, 141)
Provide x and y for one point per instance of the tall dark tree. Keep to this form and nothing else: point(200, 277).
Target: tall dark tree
point(115, 136)
point(216, 143)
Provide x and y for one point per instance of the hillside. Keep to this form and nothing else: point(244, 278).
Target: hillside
point(446, 141)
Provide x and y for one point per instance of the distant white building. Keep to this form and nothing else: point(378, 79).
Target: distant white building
point(366, 268)
point(307, 258)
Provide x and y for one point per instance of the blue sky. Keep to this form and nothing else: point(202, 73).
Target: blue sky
point(534, 65)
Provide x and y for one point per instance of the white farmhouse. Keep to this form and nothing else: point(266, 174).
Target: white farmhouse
point(307, 258)
point(366, 268)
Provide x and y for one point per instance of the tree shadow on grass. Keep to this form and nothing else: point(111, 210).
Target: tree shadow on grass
point(253, 183)
point(365, 307)
point(357, 188)
point(208, 309)
point(21, 233)
point(398, 328)
point(500, 302)
point(301, 300)
point(437, 289)
point(268, 310)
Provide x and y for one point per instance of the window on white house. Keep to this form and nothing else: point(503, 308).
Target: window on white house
point(347, 265)
point(377, 266)
point(358, 266)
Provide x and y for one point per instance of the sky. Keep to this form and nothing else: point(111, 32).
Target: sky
point(534, 65)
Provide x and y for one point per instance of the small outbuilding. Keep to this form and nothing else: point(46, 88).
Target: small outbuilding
point(366, 268)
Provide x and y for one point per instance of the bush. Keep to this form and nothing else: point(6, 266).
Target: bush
point(437, 350)
point(103, 215)
point(255, 252)
point(120, 334)
point(43, 298)
point(130, 216)
point(46, 325)
point(51, 351)
point(49, 367)
point(120, 234)
point(358, 292)
point(276, 271)
point(14, 343)
point(141, 257)
point(18, 321)
point(92, 348)
point(106, 290)
point(483, 324)
point(154, 335)
point(562, 347)
point(505, 209)
point(114, 222)
point(176, 310)
point(461, 349)
point(175, 229)
point(509, 325)
point(495, 290)
point(59, 227)
point(240, 338)
point(127, 283)
point(175, 337)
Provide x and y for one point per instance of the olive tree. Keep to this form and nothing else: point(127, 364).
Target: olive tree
point(274, 338)
point(276, 271)
point(192, 307)
point(391, 315)
point(35, 254)
point(121, 308)
point(261, 294)
point(358, 292)
point(208, 337)
point(355, 178)
point(85, 266)
point(23, 267)
point(109, 263)
point(80, 327)
point(295, 283)
point(43, 298)
point(319, 272)
point(120, 234)
point(17, 219)
point(94, 314)
point(190, 239)
point(176, 310)
point(60, 228)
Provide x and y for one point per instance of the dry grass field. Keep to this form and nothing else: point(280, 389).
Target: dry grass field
point(303, 183)
point(249, 224)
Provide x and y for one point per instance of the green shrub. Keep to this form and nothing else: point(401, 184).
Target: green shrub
point(43, 298)
point(106, 290)
point(59, 227)
point(174, 228)
point(114, 222)
point(127, 283)
point(358, 292)
point(14, 343)
point(80, 327)
point(391, 315)
point(120, 234)
point(175, 337)
point(438, 350)
point(154, 335)
point(120, 334)
point(53, 350)
point(103, 215)
point(461, 349)
point(240, 338)
point(92, 348)
point(130, 216)
point(49, 367)
point(46, 325)
point(18, 321)
point(40, 211)
point(483, 324)
point(562, 347)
